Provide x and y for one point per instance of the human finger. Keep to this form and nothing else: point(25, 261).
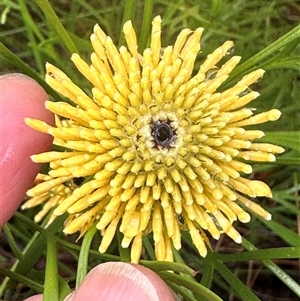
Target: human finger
point(20, 97)
point(118, 281)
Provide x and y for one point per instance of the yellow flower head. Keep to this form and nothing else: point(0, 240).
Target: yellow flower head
point(160, 149)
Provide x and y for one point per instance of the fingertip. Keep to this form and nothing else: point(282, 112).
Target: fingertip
point(35, 298)
point(116, 281)
point(20, 97)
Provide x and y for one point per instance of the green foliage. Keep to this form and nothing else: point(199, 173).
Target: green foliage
point(266, 35)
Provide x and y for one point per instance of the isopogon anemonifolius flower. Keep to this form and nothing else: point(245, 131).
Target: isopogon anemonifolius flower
point(160, 149)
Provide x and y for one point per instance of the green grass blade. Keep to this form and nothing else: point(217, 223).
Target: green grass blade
point(208, 270)
point(271, 253)
point(54, 21)
point(286, 234)
point(124, 252)
point(51, 287)
point(286, 139)
point(181, 291)
point(20, 278)
point(35, 247)
point(33, 33)
point(149, 247)
point(287, 160)
point(82, 268)
point(159, 266)
point(195, 287)
point(238, 286)
point(146, 25)
point(128, 15)
point(26, 69)
point(283, 276)
point(261, 57)
point(64, 289)
point(278, 272)
point(12, 243)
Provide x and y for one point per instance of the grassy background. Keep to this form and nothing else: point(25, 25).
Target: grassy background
point(234, 272)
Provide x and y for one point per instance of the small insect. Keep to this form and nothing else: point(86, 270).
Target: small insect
point(180, 218)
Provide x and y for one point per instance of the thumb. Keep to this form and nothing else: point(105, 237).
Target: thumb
point(117, 281)
point(20, 97)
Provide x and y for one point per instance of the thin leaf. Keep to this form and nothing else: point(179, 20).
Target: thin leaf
point(287, 161)
point(260, 58)
point(208, 271)
point(35, 247)
point(191, 285)
point(286, 139)
point(160, 266)
point(286, 234)
point(238, 286)
point(146, 25)
point(12, 243)
point(149, 247)
point(271, 253)
point(124, 252)
point(64, 289)
point(287, 63)
point(26, 69)
point(179, 290)
point(128, 15)
point(51, 287)
point(82, 268)
point(54, 21)
point(19, 278)
point(278, 272)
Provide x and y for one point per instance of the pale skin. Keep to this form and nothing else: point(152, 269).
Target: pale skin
point(22, 97)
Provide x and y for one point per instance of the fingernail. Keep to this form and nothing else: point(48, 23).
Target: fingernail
point(116, 281)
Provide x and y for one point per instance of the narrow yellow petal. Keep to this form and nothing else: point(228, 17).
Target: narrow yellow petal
point(130, 225)
point(255, 208)
point(46, 186)
point(136, 248)
point(257, 156)
point(260, 188)
point(38, 125)
point(227, 227)
point(155, 45)
point(110, 231)
point(169, 252)
point(130, 37)
point(157, 224)
point(238, 185)
point(197, 239)
point(266, 147)
point(179, 43)
point(271, 115)
point(160, 249)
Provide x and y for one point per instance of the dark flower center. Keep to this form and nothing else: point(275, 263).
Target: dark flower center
point(163, 133)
